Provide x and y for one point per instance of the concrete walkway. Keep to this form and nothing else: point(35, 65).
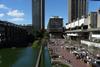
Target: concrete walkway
point(65, 56)
point(72, 59)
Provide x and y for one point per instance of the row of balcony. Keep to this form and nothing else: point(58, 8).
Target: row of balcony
point(91, 21)
point(77, 23)
point(12, 34)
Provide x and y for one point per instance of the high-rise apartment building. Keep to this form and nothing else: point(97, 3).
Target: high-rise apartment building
point(77, 9)
point(38, 8)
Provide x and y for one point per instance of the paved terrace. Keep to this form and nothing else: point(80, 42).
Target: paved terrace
point(57, 48)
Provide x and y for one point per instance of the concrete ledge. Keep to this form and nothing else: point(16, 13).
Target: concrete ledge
point(38, 59)
point(90, 43)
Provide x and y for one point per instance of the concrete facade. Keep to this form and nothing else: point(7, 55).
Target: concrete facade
point(78, 23)
point(38, 7)
point(77, 9)
point(55, 24)
point(92, 20)
point(98, 21)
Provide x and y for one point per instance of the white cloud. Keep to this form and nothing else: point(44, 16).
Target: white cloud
point(3, 6)
point(16, 19)
point(15, 13)
point(2, 14)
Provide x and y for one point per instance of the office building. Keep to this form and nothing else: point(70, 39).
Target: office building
point(77, 9)
point(55, 24)
point(38, 8)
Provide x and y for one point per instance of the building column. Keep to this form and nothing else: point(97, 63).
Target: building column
point(90, 36)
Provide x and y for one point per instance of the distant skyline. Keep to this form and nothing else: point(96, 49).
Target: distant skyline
point(20, 11)
point(60, 8)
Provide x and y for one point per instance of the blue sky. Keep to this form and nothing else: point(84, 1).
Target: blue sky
point(20, 11)
point(16, 11)
point(60, 8)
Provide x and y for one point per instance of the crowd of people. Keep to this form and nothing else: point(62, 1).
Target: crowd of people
point(62, 50)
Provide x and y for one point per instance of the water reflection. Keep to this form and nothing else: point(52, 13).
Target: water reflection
point(18, 57)
point(47, 58)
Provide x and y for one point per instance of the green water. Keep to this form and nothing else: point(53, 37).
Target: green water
point(47, 58)
point(18, 57)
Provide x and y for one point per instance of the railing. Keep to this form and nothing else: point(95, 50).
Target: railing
point(76, 23)
point(43, 59)
point(39, 56)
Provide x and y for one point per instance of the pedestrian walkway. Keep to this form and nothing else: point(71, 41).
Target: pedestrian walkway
point(58, 47)
point(72, 59)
